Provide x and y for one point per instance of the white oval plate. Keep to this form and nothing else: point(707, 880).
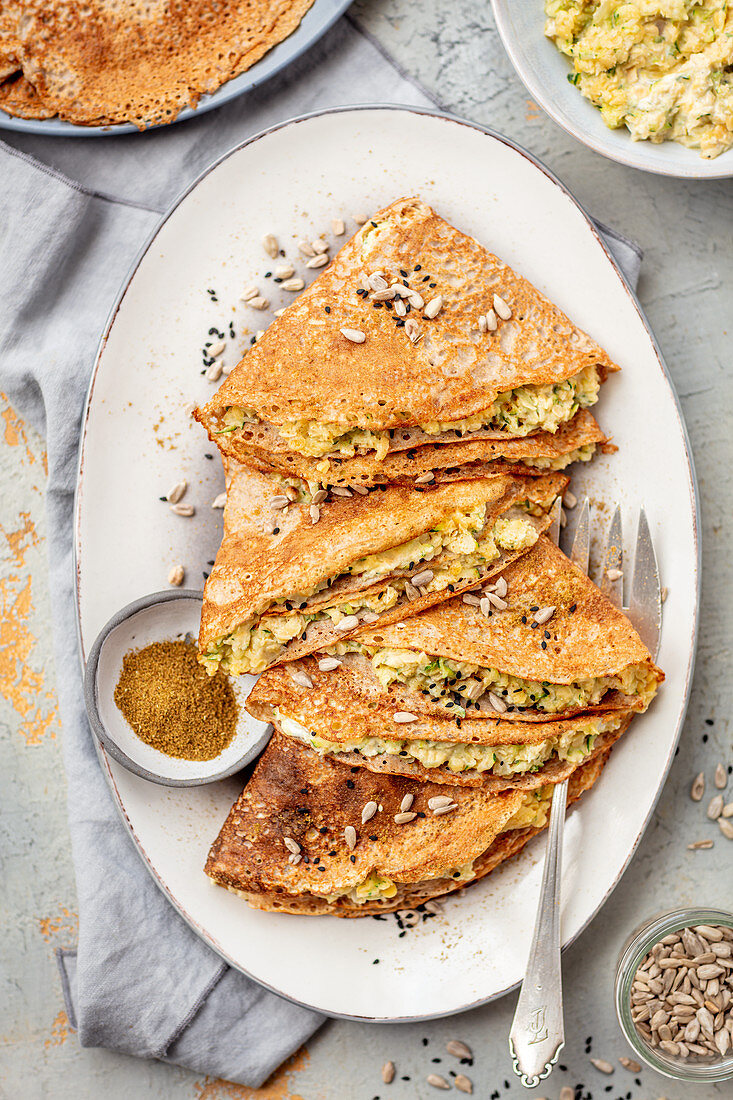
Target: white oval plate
point(544, 72)
point(138, 441)
point(314, 24)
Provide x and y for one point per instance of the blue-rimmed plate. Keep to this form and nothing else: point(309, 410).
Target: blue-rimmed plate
point(314, 24)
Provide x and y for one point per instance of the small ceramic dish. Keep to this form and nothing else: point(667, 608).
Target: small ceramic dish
point(162, 616)
point(544, 71)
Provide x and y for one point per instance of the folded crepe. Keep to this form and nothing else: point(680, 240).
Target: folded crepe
point(414, 335)
point(285, 845)
point(292, 577)
point(334, 712)
point(542, 643)
point(575, 440)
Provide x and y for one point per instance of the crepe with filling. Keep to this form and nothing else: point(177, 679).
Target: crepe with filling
point(111, 61)
point(297, 796)
point(283, 585)
point(575, 440)
point(460, 659)
point(436, 374)
point(332, 713)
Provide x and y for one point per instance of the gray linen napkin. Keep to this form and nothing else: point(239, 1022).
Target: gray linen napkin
point(141, 981)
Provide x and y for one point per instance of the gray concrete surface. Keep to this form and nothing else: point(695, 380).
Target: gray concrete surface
point(686, 230)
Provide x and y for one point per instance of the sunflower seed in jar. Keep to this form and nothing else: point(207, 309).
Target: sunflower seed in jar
point(697, 790)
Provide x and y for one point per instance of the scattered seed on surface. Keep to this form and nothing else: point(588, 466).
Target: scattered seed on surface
point(697, 790)
point(359, 219)
point(544, 615)
point(284, 271)
point(492, 321)
point(614, 574)
point(368, 812)
point(433, 308)
point(294, 859)
point(328, 664)
point(601, 1065)
point(566, 1093)
point(439, 800)
point(270, 245)
point(569, 499)
point(698, 845)
point(630, 1065)
point(403, 818)
point(445, 809)
point(463, 1083)
point(183, 509)
point(214, 372)
point(402, 717)
point(248, 294)
point(502, 308)
point(216, 348)
point(337, 227)
point(726, 827)
point(306, 248)
point(177, 492)
point(458, 1049)
point(176, 575)
point(437, 1081)
point(301, 678)
point(715, 807)
point(471, 600)
point(291, 845)
point(355, 335)
point(721, 777)
point(388, 1072)
point(318, 261)
point(406, 803)
point(350, 836)
point(220, 501)
point(258, 303)
point(728, 810)
point(292, 284)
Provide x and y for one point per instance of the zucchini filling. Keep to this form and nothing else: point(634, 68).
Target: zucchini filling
point(518, 412)
point(457, 685)
point(574, 746)
point(459, 550)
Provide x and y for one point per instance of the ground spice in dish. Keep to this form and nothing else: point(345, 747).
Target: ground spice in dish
point(173, 704)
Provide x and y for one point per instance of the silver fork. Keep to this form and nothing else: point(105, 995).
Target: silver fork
point(537, 1034)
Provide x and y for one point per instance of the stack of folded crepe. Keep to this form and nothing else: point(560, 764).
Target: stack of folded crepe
point(431, 662)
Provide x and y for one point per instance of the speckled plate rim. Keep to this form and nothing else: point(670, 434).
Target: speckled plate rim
point(313, 26)
point(692, 487)
point(105, 739)
point(644, 155)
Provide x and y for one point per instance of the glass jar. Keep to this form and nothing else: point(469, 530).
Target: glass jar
point(632, 955)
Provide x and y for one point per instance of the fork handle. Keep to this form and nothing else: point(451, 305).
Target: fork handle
point(538, 1035)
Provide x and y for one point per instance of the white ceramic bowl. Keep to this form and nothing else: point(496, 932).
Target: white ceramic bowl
point(162, 616)
point(544, 71)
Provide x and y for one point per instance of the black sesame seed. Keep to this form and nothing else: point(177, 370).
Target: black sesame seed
point(328, 309)
point(353, 859)
point(206, 576)
point(373, 836)
point(425, 1042)
point(276, 280)
point(374, 962)
point(403, 273)
point(709, 722)
point(704, 738)
point(350, 784)
point(544, 645)
point(572, 608)
point(417, 267)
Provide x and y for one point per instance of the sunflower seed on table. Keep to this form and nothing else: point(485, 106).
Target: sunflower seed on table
point(433, 907)
point(463, 1083)
point(292, 284)
point(630, 1065)
point(726, 827)
point(314, 512)
point(502, 308)
point(318, 261)
point(721, 777)
point(279, 312)
point(402, 717)
point(219, 501)
point(270, 245)
point(337, 227)
point(350, 836)
point(697, 790)
point(715, 807)
point(258, 303)
point(569, 499)
point(284, 271)
point(700, 845)
point(319, 246)
point(214, 372)
point(388, 1072)
point(248, 294)
point(177, 492)
point(458, 1049)
point(614, 574)
point(291, 845)
point(360, 219)
point(368, 812)
point(306, 248)
point(403, 818)
point(355, 335)
point(566, 1093)
point(176, 575)
point(433, 308)
point(259, 334)
point(437, 1081)
point(349, 622)
point(183, 509)
point(601, 1065)
point(301, 678)
point(328, 664)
